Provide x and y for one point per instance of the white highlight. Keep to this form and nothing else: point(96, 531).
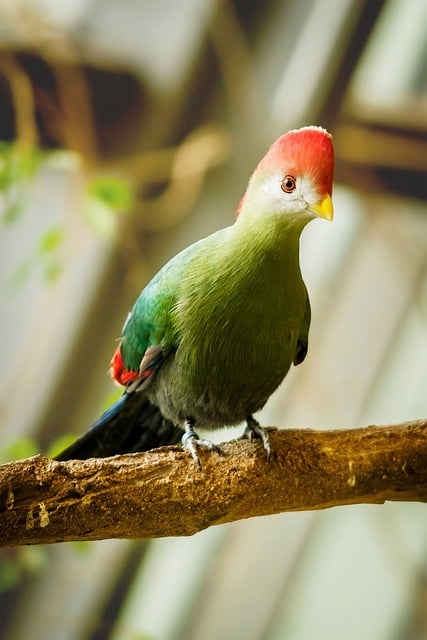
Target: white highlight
point(352, 477)
point(128, 317)
point(44, 518)
point(41, 518)
point(313, 127)
point(10, 500)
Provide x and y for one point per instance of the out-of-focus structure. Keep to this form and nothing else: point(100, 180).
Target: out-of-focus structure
point(150, 117)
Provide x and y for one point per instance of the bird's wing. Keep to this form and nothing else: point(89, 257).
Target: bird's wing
point(302, 342)
point(147, 336)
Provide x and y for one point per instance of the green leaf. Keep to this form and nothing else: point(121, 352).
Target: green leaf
point(114, 192)
point(51, 240)
point(10, 574)
point(18, 166)
point(18, 163)
point(107, 196)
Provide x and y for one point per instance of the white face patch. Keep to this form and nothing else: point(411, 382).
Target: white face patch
point(306, 188)
point(268, 197)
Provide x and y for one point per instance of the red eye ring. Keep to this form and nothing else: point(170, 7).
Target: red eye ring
point(288, 184)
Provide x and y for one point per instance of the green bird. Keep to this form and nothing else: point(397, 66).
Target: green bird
point(214, 333)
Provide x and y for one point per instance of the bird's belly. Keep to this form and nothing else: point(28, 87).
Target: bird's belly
point(219, 387)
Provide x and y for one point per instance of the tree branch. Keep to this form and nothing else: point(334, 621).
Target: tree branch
point(163, 493)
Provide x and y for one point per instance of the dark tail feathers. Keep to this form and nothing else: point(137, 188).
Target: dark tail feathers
point(131, 424)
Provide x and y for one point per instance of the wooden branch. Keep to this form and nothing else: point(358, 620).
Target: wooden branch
point(163, 493)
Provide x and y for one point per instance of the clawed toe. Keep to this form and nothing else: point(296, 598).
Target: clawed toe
point(191, 442)
point(254, 430)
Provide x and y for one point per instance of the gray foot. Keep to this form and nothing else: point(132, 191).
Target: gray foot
point(254, 430)
point(191, 442)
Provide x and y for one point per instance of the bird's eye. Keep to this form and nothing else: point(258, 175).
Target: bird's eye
point(288, 184)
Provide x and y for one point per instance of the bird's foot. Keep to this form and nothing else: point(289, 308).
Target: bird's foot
point(254, 430)
point(191, 442)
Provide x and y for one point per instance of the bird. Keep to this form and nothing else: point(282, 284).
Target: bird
point(216, 330)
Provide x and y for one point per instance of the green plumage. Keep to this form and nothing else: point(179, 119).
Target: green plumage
point(215, 331)
point(231, 314)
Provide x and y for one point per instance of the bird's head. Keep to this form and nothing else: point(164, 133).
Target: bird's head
point(294, 178)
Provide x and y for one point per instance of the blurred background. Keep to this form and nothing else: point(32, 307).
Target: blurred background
point(127, 131)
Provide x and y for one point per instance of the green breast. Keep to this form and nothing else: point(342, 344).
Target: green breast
point(239, 311)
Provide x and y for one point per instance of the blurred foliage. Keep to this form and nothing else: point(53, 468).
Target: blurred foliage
point(18, 449)
point(114, 192)
point(59, 444)
point(64, 440)
point(103, 200)
point(17, 564)
point(46, 259)
point(107, 196)
point(10, 574)
point(19, 164)
point(26, 447)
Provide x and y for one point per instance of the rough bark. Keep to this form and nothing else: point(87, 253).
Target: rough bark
point(163, 493)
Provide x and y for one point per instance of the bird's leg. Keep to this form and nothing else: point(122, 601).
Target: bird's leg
point(254, 430)
point(191, 441)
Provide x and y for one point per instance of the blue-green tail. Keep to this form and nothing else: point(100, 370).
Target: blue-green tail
point(130, 425)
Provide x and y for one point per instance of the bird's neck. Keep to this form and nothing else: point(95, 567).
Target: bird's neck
point(273, 237)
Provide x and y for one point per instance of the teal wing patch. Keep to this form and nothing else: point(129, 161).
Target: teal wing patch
point(151, 321)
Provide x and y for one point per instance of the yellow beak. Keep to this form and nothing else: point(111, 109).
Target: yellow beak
point(324, 209)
